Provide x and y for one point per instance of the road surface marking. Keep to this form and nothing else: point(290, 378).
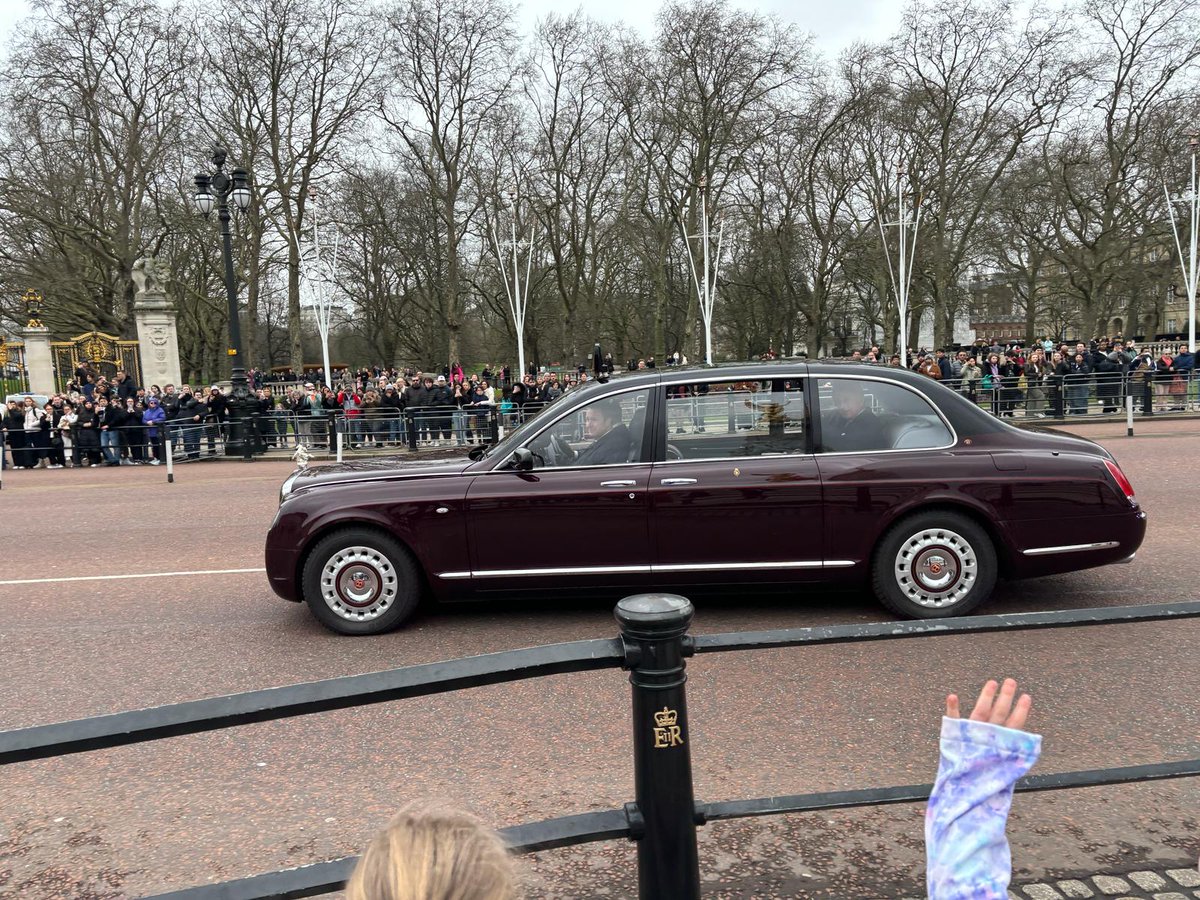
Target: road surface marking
point(135, 575)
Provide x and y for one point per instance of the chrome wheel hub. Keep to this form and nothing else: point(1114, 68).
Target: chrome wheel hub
point(358, 583)
point(935, 568)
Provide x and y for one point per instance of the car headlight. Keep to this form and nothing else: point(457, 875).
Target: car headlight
point(285, 489)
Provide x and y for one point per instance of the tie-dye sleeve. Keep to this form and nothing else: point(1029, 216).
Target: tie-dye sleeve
point(966, 849)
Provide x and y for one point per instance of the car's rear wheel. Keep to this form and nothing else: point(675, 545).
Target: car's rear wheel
point(360, 581)
point(934, 564)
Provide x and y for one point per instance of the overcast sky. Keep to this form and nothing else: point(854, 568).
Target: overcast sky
point(835, 24)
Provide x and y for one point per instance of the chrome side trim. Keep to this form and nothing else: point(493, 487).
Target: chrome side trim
point(545, 471)
point(563, 570)
point(674, 567)
point(720, 567)
point(1071, 548)
point(715, 375)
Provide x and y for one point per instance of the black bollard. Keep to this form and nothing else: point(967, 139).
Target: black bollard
point(1147, 396)
point(653, 628)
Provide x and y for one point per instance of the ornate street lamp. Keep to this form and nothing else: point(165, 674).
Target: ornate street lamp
point(215, 191)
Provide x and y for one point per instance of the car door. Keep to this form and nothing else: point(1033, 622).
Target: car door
point(881, 447)
point(737, 496)
point(577, 519)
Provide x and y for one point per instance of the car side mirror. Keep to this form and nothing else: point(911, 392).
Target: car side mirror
point(477, 452)
point(522, 459)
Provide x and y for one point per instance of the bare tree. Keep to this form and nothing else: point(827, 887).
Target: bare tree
point(977, 92)
point(454, 64)
point(301, 80)
point(94, 101)
point(1107, 163)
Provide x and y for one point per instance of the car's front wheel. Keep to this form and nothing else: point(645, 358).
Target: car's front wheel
point(360, 581)
point(933, 565)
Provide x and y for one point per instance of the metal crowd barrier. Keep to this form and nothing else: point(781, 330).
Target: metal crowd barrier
point(653, 646)
point(1094, 394)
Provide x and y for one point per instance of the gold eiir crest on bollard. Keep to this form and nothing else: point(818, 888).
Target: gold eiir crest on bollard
point(666, 730)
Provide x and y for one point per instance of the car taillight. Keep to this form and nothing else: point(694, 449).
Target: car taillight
point(1122, 482)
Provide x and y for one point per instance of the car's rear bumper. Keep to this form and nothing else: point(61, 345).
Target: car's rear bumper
point(1095, 541)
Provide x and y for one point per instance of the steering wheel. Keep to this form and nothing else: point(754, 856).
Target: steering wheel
point(561, 451)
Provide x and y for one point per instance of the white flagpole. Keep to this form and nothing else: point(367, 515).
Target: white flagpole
point(902, 297)
point(518, 298)
point(1191, 288)
point(705, 281)
point(905, 259)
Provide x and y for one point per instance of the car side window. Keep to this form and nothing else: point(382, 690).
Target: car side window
point(720, 420)
point(858, 415)
point(608, 431)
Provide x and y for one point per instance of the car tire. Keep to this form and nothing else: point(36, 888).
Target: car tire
point(934, 564)
point(361, 581)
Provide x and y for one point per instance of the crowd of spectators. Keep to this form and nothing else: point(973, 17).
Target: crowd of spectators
point(1048, 379)
point(373, 406)
point(96, 421)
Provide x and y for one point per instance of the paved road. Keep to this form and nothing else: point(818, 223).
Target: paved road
point(142, 819)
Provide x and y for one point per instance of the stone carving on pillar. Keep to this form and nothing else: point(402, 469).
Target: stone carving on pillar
point(147, 279)
point(158, 341)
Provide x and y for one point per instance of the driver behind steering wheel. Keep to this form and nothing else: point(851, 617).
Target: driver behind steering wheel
point(611, 440)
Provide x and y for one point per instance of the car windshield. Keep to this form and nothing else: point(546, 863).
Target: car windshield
point(528, 418)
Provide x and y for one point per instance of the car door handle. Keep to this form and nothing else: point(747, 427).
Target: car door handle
point(677, 482)
point(621, 484)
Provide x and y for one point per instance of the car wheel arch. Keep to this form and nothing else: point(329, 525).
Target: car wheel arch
point(992, 527)
point(337, 525)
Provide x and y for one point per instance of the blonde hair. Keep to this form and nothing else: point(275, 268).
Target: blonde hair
point(430, 852)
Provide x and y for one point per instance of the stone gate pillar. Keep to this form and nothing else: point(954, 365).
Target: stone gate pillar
point(38, 360)
point(158, 340)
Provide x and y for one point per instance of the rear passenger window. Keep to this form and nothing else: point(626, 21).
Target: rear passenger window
point(858, 415)
point(720, 420)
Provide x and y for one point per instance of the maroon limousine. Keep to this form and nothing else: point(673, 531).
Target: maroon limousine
point(820, 473)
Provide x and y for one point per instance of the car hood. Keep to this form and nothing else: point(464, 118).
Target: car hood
point(1064, 441)
point(377, 467)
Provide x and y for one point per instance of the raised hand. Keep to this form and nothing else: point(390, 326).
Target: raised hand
point(996, 708)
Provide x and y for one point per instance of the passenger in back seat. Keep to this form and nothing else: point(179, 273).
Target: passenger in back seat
point(851, 426)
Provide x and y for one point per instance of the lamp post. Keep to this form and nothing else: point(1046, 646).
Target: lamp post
point(215, 190)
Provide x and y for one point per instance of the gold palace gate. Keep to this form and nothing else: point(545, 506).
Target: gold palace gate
point(101, 353)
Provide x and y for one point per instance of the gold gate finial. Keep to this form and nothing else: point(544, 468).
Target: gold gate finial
point(33, 302)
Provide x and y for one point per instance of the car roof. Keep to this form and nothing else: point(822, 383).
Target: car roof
point(750, 371)
point(21, 397)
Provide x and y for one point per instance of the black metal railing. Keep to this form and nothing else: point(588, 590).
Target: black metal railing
point(1076, 395)
point(653, 646)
